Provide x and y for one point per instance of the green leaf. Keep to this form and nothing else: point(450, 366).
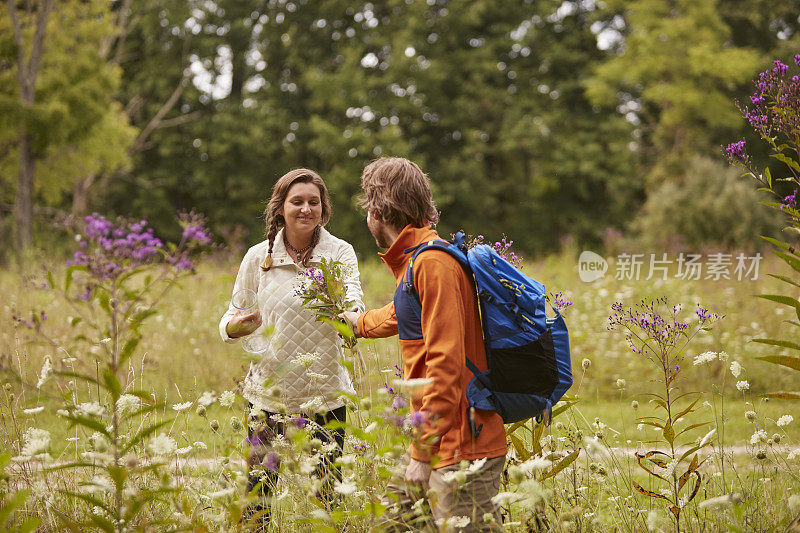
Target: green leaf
point(776, 242)
point(90, 423)
point(31, 524)
point(649, 492)
point(669, 432)
point(565, 462)
point(105, 301)
point(790, 259)
point(141, 315)
point(785, 360)
point(791, 163)
point(112, 384)
point(785, 300)
point(127, 350)
point(786, 279)
point(782, 395)
point(68, 275)
point(519, 447)
point(778, 342)
point(14, 503)
point(139, 437)
point(70, 374)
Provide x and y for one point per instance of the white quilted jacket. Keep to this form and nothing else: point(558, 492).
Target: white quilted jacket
point(304, 386)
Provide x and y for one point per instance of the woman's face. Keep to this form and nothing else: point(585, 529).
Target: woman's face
point(302, 208)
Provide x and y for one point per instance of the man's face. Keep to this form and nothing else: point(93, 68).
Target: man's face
point(378, 231)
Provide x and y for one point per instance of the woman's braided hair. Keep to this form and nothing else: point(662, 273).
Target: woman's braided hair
point(274, 218)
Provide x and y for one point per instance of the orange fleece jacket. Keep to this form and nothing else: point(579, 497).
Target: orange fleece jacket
point(450, 332)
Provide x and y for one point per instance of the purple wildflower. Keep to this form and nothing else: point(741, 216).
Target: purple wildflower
point(398, 403)
point(416, 419)
point(272, 462)
point(780, 68)
point(790, 201)
point(299, 422)
point(398, 372)
point(797, 60)
point(736, 150)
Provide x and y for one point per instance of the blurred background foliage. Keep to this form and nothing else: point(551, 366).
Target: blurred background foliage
point(550, 121)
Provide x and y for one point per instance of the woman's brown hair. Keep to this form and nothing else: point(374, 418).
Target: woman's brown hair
point(280, 190)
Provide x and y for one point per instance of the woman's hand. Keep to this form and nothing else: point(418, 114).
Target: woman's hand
point(243, 323)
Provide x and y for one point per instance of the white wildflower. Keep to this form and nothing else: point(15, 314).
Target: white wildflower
point(279, 442)
point(100, 484)
point(128, 403)
point(33, 410)
point(162, 445)
point(621, 383)
point(47, 369)
point(412, 383)
point(704, 358)
point(793, 455)
point(227, 398)
point(348, 459)
point(200, 445)
point(535, 463)
point(743, 385)
point(503, 499)
point(36, 441)
point(306, 359)
point(370, 428)
point(309, 465)
point(91, 409)
point(595, 448)
point(184, 451)
point(68, 360)
point(62, 412)
point(220, 494)
point(758, 437)
point(316, 376)
point(207, 398)
point(785, 420)
point(723, 356)
point(345, 487)
point(453, 523)
point(476, 465)
point(794, 503)
point(652, 521)
point(312, 405)
point(736, 369)
point(181, 406)
point(455, 476)
point(705, 440)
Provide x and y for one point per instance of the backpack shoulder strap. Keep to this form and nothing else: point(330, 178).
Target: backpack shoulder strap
point(408, 286)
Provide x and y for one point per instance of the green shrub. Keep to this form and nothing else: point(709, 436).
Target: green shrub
point(711, 206)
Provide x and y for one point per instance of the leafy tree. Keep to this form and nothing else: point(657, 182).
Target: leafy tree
point(66, 120)
point(676, 69)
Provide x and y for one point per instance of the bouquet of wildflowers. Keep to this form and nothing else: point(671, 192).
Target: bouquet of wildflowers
point(502, 247)
point(323, 291)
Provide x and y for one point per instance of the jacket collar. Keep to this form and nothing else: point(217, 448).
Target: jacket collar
point(324, 248)
point(396, 257)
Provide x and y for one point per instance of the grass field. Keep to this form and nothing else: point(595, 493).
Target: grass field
point(181, 357)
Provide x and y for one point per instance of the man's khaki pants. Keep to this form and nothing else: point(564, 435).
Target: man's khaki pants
point(456, 495)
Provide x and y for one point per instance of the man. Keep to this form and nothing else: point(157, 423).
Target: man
point(438, 329)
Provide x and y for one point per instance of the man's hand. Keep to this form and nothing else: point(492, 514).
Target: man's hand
point(243, 323)
point(351, 317)
point(418, 473)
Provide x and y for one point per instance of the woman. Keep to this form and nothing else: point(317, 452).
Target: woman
point(299, 373)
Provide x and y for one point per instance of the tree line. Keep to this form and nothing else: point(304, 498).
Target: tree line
point(542, 120)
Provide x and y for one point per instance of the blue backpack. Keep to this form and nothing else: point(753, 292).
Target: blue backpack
point(528, 359)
